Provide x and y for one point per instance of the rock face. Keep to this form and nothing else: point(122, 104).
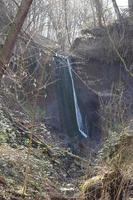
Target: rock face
point(106, 61)
point(60, 106)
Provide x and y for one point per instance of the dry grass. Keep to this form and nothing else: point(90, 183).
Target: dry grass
point(115, 182)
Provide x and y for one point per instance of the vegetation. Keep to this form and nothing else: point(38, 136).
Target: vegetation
point(39, 158)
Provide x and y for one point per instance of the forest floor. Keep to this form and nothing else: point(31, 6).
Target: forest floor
point(53, 172)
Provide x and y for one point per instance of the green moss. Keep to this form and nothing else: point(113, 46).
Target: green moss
point(3, 137)
point(96, 180)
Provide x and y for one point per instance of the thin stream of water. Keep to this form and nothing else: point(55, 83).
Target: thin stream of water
point(77, 110)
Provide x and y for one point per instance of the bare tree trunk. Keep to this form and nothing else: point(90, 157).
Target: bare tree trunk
point(93, 12)
point(66, 23)
point(130, 6)
point(15, 28)
point(117, 11)
point(99, 13)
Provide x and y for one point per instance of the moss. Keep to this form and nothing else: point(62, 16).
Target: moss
point(91, 182)
point(3, 138)
point(92, 188)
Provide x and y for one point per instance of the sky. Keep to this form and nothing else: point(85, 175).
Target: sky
point(122, 3)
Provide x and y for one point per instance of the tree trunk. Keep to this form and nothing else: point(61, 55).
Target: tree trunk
point(4, 20)
point(99, 13)
point(117, 11)
point(130, 6)
point(15, 28)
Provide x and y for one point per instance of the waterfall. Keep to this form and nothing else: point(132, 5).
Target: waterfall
point(77, 110)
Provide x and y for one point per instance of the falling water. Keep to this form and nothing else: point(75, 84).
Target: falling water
point(77, 110)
